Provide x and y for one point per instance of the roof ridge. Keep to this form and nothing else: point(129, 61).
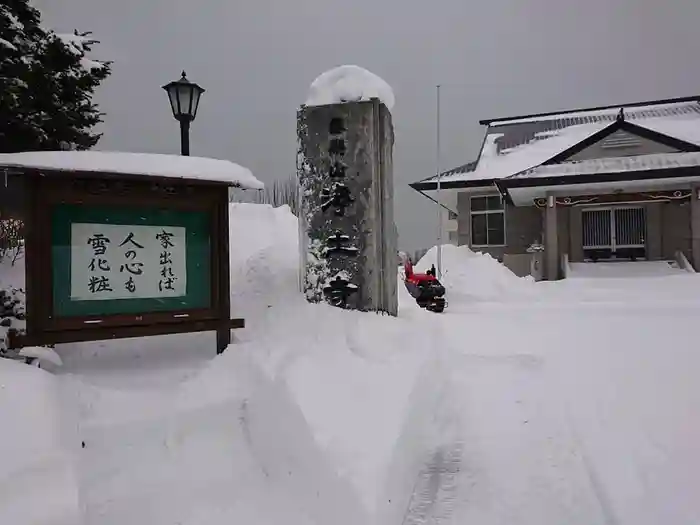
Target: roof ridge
point(659, 102)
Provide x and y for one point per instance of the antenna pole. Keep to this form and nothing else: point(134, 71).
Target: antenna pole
point(437, 172)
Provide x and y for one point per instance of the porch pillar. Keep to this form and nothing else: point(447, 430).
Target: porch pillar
point(695, 225)
point(551, 240)
point(654, 238)
point(576, 233)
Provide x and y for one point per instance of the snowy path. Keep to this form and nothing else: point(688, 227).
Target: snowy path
point(623, 270)
point(523, 404)
point(435, 491)
point(545, 390)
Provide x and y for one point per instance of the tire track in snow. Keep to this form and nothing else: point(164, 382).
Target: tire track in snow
point(435, 489)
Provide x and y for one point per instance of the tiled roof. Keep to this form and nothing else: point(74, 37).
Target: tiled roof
point(659, 161)
point(464, 168)
point(524, 131)
point(679, 118)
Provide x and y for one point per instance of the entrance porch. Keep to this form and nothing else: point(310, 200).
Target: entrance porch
point(642, 226)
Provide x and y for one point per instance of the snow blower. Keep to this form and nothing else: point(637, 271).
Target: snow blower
point(425, 288)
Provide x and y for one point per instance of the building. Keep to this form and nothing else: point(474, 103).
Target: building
point(604, 183)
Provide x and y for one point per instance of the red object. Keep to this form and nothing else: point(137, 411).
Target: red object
point(416, 278)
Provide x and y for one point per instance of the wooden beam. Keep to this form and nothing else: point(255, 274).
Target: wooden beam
point(16, 341)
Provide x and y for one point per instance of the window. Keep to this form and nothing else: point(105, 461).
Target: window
point(488, 221)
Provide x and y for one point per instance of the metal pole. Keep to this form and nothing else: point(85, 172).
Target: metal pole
point(437, 170)
point(184, 136)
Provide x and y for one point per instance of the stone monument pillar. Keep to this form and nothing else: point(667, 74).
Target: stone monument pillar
point(348, 239)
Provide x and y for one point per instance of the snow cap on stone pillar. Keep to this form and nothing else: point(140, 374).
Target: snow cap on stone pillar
point(349, 84)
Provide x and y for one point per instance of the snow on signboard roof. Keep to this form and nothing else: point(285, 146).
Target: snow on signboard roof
point(148, 164)
point(349, 84)
point(635, 163)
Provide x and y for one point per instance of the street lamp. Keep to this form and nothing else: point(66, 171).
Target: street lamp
point(184, 100)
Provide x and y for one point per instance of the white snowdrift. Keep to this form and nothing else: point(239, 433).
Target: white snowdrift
point(349, 84)
point(550, 410)
point(38, 482)
point(470, 276)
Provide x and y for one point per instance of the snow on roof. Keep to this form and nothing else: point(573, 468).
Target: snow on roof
point(651, 110)
point(526, 156)
point(148, 164)
point(349, 84)
point(685, 128)
point(615, 165)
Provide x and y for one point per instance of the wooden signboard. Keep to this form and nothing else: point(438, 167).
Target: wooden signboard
point(114, 256)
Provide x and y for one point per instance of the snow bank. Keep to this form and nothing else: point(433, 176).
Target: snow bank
point(349, 84)
point(263, 258)
point(470, 276)
point(176, 166)
point(366, 366)
point(319, 415)
point(38, 484)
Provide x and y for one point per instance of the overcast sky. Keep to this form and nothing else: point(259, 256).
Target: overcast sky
point(256, 59)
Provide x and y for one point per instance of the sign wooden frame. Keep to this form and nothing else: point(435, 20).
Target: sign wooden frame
point(46, 189)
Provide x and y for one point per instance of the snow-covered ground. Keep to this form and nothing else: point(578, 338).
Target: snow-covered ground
point(524, 403)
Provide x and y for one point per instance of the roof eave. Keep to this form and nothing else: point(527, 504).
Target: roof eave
point(452, 185)
point(616, 176)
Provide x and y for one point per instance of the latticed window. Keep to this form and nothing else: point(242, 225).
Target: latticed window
point(488, 220)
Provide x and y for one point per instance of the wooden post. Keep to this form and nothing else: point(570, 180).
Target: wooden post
point(223, 334)
point(551, 241)
point(695, 225)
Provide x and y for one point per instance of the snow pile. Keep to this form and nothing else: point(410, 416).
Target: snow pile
point(318, 415)
point(369, 418)
point(176, 166)
point(349, 84)
point(263, 260)
point(470, 276)
point(38, 482)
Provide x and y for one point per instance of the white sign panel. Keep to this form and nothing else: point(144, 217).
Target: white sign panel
point(114, 261)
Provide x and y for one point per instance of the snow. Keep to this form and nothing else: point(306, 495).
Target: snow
point(529, 155)
point(44, 355)
point(38, 477)
point(12, 19)
point(659, 161)
point(534, 403)
point(685, 128)
point(526, 156)
point(623, 269)
point(349, 84)
point(153, 164)
point(7, 44)
point(678, 120)
point(91, 64)
point(74, 42)
point(635, 112)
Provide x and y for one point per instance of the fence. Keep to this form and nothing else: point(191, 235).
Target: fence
point(279, 193)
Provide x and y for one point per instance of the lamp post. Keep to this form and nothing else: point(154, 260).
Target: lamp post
point(184, 101)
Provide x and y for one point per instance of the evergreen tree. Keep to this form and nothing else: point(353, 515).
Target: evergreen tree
point(46, 84)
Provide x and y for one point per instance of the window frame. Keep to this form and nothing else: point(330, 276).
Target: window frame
point(472, 212)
